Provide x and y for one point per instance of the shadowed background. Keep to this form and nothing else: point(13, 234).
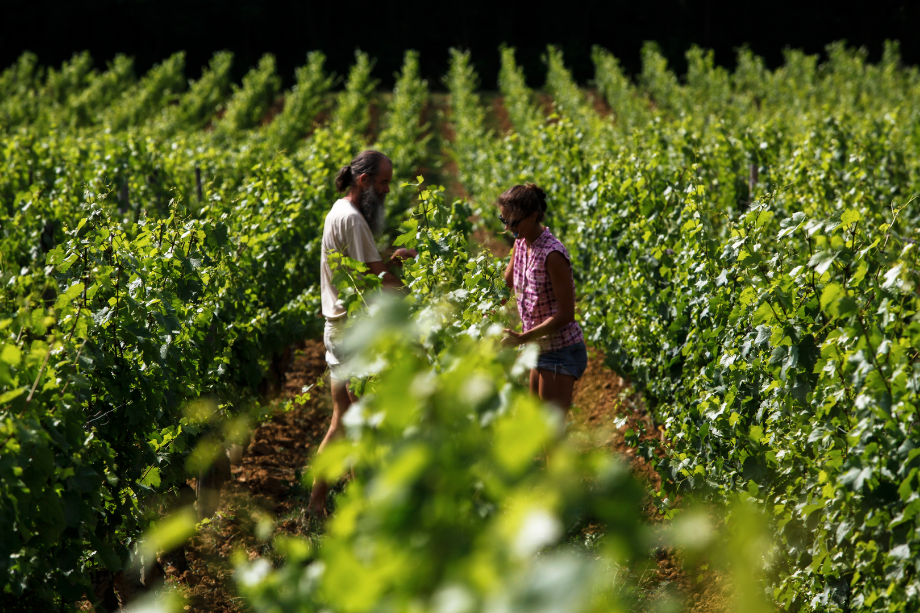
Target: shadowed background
point(150, 30)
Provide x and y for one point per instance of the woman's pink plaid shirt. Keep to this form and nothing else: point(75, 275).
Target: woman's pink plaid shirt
point(536, 302)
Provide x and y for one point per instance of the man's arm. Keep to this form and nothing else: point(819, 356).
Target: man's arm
point(389, 279)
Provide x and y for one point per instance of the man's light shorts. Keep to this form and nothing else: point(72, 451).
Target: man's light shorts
point(334, 339)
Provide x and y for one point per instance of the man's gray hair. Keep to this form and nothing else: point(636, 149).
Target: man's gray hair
point(367, 162)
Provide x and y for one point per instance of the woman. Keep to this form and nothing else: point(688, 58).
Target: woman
point(541, 276)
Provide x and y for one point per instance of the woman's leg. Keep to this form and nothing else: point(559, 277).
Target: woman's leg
point(342, 398)
point(555, 388)
point(534, 382)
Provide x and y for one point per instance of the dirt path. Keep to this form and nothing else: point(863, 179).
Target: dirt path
point(601, 397)
point(265, 495)
point(265, 489)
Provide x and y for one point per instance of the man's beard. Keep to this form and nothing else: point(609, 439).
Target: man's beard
point(373, 211)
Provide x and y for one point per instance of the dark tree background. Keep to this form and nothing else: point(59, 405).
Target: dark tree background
point(150, 30)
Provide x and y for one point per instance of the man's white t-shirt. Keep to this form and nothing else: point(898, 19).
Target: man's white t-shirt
point(345, 231)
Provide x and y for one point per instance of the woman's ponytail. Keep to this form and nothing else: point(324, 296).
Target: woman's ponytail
point(540, 194)
point(343, 179)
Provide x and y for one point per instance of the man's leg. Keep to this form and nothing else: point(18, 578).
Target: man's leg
point(341, 400)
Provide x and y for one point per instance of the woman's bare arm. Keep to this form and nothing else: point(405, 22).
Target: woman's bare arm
point(509, 272)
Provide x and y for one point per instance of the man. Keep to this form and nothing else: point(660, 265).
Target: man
point(350, 229)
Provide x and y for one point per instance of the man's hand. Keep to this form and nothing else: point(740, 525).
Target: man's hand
point(513, 339)
point(402, 254)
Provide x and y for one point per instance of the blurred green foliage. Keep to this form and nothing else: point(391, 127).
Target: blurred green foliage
point(148, 267)
point(744, 249)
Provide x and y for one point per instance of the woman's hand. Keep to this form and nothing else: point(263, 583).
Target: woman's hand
point(513, 339)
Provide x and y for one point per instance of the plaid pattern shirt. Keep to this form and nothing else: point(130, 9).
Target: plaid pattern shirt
point(535, 298)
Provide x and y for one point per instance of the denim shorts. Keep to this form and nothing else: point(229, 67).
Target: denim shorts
point(571, 360)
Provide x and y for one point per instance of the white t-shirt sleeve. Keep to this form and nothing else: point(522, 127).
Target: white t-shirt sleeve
point(360, 241)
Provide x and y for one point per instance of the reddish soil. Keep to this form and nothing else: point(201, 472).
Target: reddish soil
point(599, 103)
point(600, 397)
point(218, 115)
point(439, 113)
point(375, 112)
point(266, 485)
point(498, 246)
point(449, 173)
point(545, 102)
point(323, 117)
point(266, 488)
point(432, 167)
point(273, 111)
point(500, 113)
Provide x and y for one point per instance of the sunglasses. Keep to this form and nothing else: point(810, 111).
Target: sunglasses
point(510, 224)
